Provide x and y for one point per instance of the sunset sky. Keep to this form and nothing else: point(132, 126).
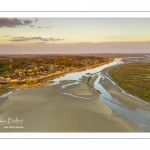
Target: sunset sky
point(74, 35)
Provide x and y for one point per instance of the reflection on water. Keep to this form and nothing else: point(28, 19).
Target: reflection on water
point(76, 96)
point(78, 75)
point(138, 117)
point(11, 92)
point(5, 95)
point(64, 86)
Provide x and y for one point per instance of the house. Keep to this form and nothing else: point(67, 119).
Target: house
point(29, 70)
point(1, 78)
point(20, 73)
point(8, 79)
point(14, 81)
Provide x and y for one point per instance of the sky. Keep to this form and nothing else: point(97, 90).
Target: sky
point(74, 35)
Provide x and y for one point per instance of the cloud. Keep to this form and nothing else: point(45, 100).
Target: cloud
point(32, 26)
point(5, 36)
point(10, 22)
point(26, 22)
point(52, 39)
point(26, 39)
point(48, 27)
point(35, 20)
point(14, 22)
point(40, 47)
point(45, 27)
point(115, 37)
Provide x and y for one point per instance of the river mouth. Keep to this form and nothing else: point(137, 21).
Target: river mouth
point(125, 105)
point(133, 109)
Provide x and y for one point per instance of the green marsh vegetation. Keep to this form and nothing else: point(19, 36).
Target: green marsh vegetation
point(134, 78)
point(4, 67)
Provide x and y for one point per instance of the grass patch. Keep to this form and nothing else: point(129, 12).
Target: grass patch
point(4, 67)
point(3, 90)
point(134, 78)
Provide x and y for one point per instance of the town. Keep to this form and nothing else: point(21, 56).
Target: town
point(33, 69)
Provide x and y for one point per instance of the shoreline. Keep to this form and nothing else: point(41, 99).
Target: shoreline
point(61, 108)
point(132, 108)
point(75, 108)
point(57, 76)
point(119, 86)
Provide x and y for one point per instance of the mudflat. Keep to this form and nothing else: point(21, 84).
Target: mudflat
point(61, 108)
point(133, 108)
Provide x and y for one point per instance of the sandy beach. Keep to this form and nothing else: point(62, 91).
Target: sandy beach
point(60, 108)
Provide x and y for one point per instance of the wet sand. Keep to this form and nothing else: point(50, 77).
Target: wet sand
point(129, 102)
point(74, 108)
point(137, 111)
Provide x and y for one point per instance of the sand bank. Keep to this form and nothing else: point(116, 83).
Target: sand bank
point(134, 109)
point(74, 108)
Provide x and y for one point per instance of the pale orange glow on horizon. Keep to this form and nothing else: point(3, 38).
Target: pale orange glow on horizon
point(73, 34)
